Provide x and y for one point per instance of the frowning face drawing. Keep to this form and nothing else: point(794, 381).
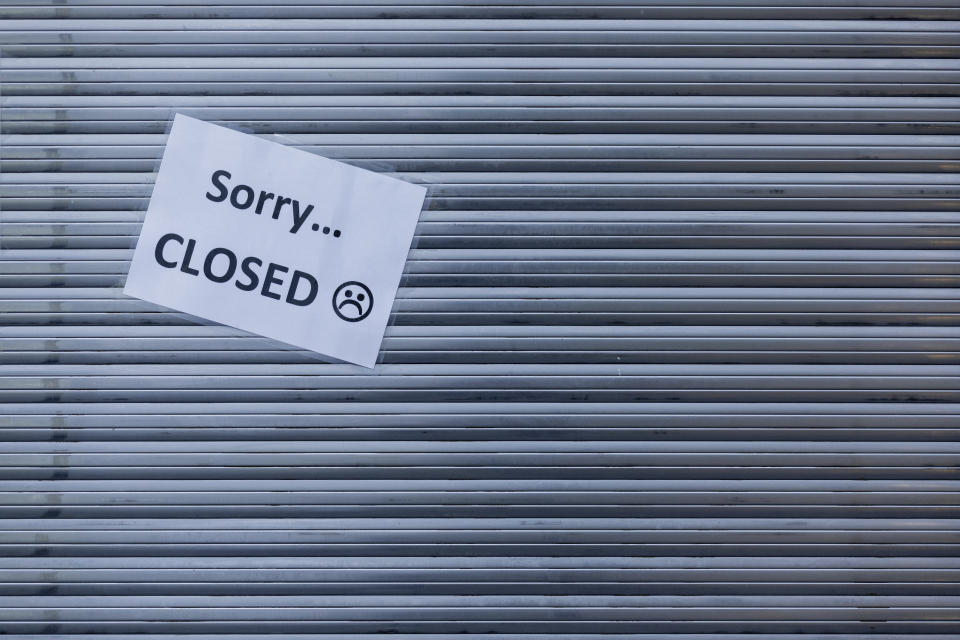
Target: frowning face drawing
point(352, 301)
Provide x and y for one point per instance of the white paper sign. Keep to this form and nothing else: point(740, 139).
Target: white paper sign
point(274, 240)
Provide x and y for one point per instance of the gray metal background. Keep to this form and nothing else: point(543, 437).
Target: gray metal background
point(676, 353)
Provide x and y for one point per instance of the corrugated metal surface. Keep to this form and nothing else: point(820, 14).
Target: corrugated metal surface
point(676, 354)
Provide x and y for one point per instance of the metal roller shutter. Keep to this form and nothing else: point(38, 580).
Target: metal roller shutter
point(675, 355)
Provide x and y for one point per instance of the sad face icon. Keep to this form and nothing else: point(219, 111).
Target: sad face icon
point(353, 301)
